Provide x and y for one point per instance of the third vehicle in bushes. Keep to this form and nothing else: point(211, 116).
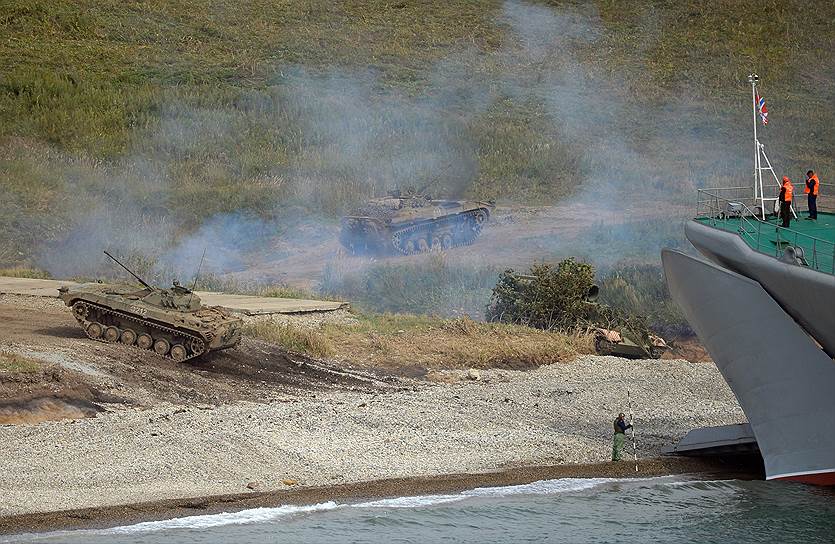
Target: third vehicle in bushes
point(628, 343)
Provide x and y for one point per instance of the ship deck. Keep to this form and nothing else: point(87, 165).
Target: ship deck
point(815, 238)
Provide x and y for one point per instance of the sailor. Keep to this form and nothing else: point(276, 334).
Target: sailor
point(811, 190)
point(620, 437)
point(786, 201)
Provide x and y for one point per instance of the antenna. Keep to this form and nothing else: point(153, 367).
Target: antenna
point(194, 285)
point(434, 179)
point(128, 270)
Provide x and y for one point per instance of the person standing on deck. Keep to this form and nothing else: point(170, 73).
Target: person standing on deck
point(786, 201)
point(812, 188)
point(620, 437)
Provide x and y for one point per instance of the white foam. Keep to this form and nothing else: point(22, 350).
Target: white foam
point(542, 487)
point(690, 483)
point(410, 502)
point(261, 515)
point(253, 515)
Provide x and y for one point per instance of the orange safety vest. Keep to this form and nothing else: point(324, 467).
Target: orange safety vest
point(787, 185)
point(817, 185)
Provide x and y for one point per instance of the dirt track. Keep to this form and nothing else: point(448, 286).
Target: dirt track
point(79, 376)
point(514, 237)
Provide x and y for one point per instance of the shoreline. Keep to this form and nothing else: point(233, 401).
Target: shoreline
point(127, 514)
point(557, 415)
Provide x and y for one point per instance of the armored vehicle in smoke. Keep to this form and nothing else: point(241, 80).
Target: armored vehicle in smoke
point(628, 343)
point(413, 223)
point(170, 322)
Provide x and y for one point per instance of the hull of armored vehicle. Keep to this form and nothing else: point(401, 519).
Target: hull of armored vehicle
point(170, 322)
point(628, 345)
point(411, 225)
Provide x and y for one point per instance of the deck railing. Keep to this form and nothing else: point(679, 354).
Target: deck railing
point(729, 209)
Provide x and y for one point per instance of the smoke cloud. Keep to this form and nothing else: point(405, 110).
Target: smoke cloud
point(258, 183)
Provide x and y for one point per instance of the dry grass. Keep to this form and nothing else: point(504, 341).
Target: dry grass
point(11, 363)
point(20, 272)
point(404, 341)
point(297, 339)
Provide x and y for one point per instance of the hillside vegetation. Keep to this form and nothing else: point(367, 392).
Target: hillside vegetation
point(134, 123)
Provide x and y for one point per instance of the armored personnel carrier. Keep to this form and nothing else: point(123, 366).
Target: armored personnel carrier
point(412, 223)
point(628, 343)
point(170, 322)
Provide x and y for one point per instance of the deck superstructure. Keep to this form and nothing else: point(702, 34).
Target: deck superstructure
point(812, 242)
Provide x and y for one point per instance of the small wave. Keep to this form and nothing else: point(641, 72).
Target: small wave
point(411, 502)
point(704, 484)
point(543, 487)
point(262, 515)
point(253, 515)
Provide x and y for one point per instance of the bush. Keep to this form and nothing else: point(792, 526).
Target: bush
point(550, 297)
point(642, 289)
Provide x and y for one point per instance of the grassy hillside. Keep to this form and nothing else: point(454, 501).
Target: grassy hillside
point(133, 123)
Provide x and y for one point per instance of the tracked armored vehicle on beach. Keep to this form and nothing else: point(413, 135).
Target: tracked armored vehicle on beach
point(170, 322)
point(412, 223)
point(628, 343)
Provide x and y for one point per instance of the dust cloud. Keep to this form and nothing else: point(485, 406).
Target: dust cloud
point(321, 141)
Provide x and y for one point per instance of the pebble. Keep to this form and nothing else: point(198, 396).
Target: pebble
point(506, 418)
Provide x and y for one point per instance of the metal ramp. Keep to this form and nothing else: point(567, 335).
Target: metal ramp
point(724, 440)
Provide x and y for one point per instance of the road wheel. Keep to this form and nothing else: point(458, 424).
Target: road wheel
point(423, 245)
point(178, 352)
point(161, 346)
point(446, 241)
point(144, 341)
point(410, 247)
point(112, 334)
point(94, 330)
point(128, 337)
point(655, 352)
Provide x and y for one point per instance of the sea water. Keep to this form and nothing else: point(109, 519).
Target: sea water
point(669, 509)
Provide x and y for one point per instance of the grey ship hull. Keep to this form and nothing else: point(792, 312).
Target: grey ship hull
point(755, 319)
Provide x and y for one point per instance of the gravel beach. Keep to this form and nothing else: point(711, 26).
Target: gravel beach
point(557, 414)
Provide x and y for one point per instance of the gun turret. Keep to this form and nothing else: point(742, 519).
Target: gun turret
point(129, 271)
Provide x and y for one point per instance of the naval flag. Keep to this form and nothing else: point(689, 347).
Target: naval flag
point(762, 109)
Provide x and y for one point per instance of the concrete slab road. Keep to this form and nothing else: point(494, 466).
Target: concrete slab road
point(245, 304)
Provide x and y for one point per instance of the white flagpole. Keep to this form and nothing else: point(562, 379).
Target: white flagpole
point(753, 79)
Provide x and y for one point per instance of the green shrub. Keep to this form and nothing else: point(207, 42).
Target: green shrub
point(549, 297)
